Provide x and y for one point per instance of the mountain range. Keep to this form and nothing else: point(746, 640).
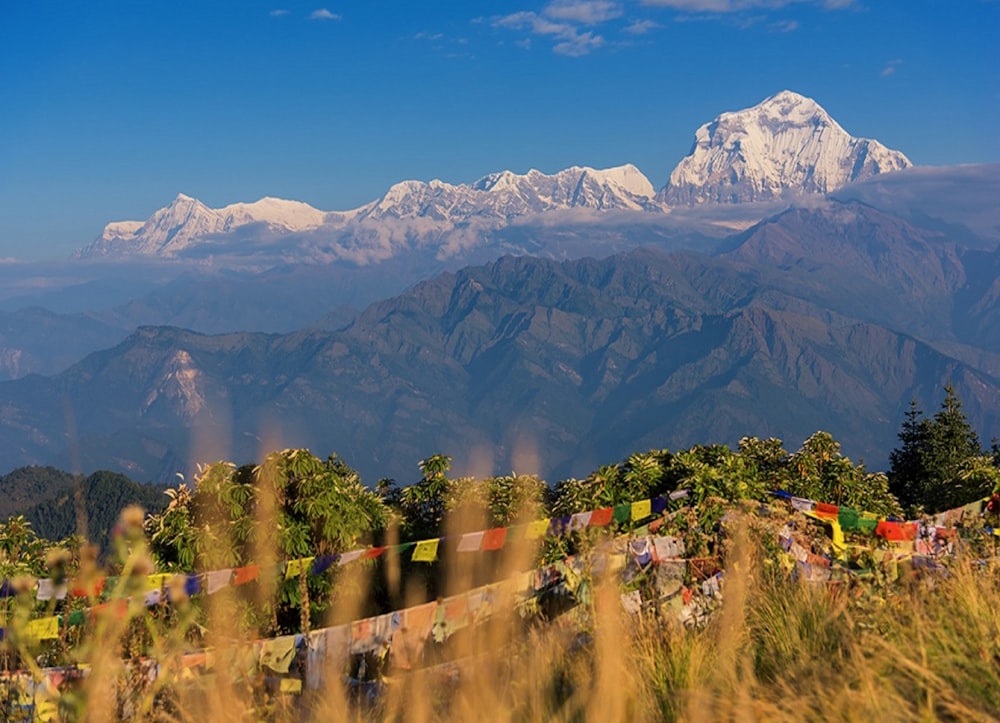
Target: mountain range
point(782, 281)
point(785, 145)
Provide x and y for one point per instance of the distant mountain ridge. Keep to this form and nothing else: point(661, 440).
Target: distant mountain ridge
point(786, 144)
point(424, 208)
point(831, 317)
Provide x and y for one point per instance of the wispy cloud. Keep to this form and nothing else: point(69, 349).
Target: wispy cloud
point(731, 6)
point(428, 36)
point(323, 14)
point(640, 27)
point(785, 26)
point(584, 12)
point(568, 22)
point(278, 12)
point(890, 67)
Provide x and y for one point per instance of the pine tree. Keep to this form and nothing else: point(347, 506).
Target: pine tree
point(907, 467)
point(952, 442)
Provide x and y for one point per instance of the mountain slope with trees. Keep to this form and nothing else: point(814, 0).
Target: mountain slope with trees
point(832, 317)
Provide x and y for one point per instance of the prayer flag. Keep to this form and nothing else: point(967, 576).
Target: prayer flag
point(372, 552)
point(824, 509)
point(580, 520)
point(243, 575)
point(849, 519)
point(537, 529)
point(494, 539)
point(658, 504)
point(157, 581)
point(426, 551)
point(641, 510)
point(622, 514)
point(43, 628)
point(471, 542)
point(322, 563)
point(217, 579)
point(349, 557)
point(601, 517)
point(278, 653)
point(295, 567)
point(48, 590)
point(88, 588)
point(803, 505)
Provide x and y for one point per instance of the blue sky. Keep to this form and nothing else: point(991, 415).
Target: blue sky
point(109, 109)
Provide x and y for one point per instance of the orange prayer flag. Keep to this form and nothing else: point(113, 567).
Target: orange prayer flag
point(243, 575)
point(602, 517)
point(494, 539)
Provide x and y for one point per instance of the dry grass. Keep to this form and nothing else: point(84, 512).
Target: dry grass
point(778, 649)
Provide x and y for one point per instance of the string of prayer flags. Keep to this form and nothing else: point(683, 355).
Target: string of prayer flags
point(426, 551)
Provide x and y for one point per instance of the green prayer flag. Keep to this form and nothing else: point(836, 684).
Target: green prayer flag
point(849, 519)
point(622, 514)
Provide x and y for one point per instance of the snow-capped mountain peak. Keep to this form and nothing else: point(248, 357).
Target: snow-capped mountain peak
point(786, 143)
point(175, 227)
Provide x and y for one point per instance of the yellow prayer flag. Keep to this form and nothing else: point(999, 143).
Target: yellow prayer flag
point(537, 529)
point(157, 581)
point(43, 628)
point(294, 567)
point(291, 685)
point(641, 509)
point(426, 551)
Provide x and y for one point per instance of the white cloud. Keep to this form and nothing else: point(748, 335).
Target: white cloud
point(640, 27)
point(428, 36)
point(323, 14)
point(584, 12)
point(563, 20)
point(890, 67)
point(278, 12)
point(785, 26)
point(731, 6)
point(579, 44)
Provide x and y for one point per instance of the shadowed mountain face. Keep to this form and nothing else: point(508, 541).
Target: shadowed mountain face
point(828, 318)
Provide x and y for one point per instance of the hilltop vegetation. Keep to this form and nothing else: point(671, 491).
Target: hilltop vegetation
point(844, 644)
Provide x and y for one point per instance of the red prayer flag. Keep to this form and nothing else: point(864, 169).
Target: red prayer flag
point(372, 553)
point(494, 539)
point(896, 531)
point(90, 588)
point(825, 509)
point(243, 575)
point(602, 517)
point(116, 608)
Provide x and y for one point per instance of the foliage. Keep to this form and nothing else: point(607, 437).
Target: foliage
point(926, 470)
point(91, 505)
point(819, 471)
point(293, 505)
